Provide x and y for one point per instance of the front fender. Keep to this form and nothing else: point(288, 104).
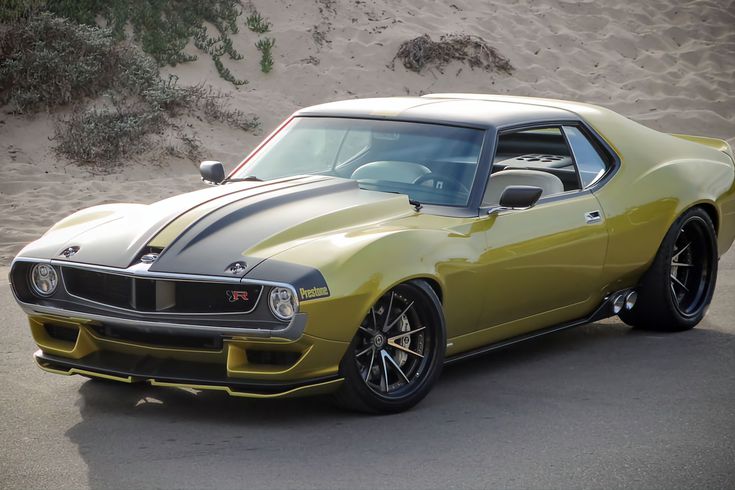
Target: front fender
point(360, 266)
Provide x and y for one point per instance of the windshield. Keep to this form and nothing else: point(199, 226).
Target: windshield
point(430, 163)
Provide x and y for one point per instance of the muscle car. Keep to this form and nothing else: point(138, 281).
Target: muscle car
point(366, 243)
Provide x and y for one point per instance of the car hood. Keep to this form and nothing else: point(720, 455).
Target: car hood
point(206, 231)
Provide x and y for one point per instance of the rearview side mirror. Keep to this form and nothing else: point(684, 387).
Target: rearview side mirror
point(212, 172)
point(520, 196)
point(517, 197)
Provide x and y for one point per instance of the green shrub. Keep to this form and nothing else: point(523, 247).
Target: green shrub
point(257, 23)
point(225, 72)
point(50, 61)
point(47, 62)
point(103, 136)
point(265, 46)
point(163, 28)
point(15, 10)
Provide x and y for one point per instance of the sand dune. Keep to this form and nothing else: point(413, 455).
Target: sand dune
point(668, 65)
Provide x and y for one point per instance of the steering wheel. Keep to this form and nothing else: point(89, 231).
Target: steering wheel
point(443, 182)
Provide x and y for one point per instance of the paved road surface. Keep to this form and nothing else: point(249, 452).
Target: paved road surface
point(601, 406)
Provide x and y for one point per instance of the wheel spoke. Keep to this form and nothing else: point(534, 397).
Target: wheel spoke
point(681, 264)
point(678, 282)
point(388, 327)
point(387, 313)
point(673, 291)
point(679, 252)
point(370, 368)
point(362, 353)
point(385, 370)
point(367, 330)
point(384, 355)
point(375, 320)
point(405, 334)
point(404, 349)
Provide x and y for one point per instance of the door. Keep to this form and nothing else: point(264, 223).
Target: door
point(544, 265)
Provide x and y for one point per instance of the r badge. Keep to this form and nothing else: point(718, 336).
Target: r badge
point(233, 296)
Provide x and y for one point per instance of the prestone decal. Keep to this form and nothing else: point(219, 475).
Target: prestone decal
point(313, 293)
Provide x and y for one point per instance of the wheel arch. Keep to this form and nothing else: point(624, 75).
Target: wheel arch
point(711, 210)
point(434, 285)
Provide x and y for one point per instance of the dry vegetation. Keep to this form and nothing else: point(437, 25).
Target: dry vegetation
point(421, 52)
point(120, 104)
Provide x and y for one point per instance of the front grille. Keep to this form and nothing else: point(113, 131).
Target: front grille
point(160, 295)
point(162, 339)
point(109, 289)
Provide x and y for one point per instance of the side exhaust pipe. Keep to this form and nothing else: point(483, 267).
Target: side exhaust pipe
point(630, 300)
point(626, 299)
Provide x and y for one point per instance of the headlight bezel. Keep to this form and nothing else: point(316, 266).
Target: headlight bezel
point(280, 296)
point(51, 275)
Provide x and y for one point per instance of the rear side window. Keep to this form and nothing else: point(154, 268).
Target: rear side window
point(590, 164)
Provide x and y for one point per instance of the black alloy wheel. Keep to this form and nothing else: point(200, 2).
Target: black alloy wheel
point(676, 291)
point(397, 352)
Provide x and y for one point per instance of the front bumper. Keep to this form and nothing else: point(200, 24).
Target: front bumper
point(245, 353)
point(291, 331)
point(163, 372)
point(241, 365)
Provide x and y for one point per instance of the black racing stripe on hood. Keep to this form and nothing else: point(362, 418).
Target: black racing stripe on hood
point(221, 237)
point(119, 242)
point(249, 207)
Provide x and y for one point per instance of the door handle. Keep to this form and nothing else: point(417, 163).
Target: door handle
point(593, 217)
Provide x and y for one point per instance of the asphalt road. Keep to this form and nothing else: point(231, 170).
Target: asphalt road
point(601, 406)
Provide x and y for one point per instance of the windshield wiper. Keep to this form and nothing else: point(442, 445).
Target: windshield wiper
point(416, 204)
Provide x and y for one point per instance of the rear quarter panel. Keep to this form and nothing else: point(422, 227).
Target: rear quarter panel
point(660, 177)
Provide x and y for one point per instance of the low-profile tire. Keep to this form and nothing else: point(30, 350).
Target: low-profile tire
point(677, 289)
point(397, 353)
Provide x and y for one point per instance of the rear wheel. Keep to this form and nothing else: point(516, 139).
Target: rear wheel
point(676, 291)
point(397, 352)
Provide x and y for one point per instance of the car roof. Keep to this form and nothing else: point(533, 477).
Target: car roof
point(476, 110)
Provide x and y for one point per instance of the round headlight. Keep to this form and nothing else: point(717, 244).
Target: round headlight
point(283, 303)
point(44, 279)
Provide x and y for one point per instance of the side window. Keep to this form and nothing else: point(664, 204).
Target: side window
point(538, 157)
point(589, 162)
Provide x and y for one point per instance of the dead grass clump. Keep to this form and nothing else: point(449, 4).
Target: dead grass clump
point(421, 52)
point(99, 137)
point(102, 137)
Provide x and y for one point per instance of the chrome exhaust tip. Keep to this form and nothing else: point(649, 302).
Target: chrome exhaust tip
point(630, 300)
point(618, 303)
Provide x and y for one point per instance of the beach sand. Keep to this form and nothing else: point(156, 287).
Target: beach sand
point(667, 64)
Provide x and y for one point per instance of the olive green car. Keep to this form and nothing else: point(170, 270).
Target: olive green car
point(366, 243)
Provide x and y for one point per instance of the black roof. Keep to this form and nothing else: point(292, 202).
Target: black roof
point(447, 110)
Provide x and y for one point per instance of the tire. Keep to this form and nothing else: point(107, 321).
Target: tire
point(397, 353)
point(677, 289)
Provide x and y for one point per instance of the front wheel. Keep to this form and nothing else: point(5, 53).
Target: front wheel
point(676, 291)
point(397, 352)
